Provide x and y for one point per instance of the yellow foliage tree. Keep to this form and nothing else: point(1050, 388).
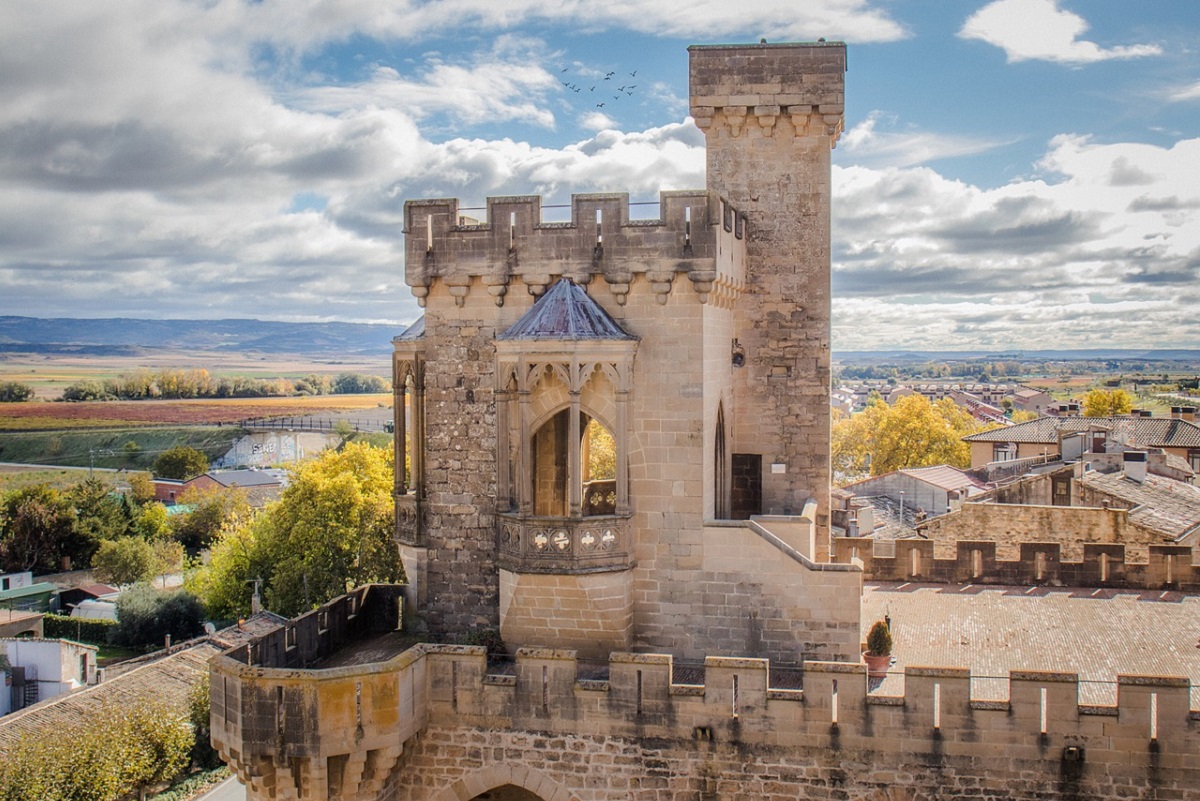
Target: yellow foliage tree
point(912, 433)
point(330, 530)
point(1106, 403)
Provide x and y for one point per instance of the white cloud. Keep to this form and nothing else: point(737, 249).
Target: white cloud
point(305, 23)
point(1185, 93)
point(1039, 30)
point(596, 121)
point(867, 144)
point(1074, 259)
point(507, 84)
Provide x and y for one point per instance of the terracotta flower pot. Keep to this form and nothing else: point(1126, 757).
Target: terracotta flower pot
point(877, 666)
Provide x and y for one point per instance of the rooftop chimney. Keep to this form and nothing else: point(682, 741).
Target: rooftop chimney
point(1188, 413)
point(1135, 465)
point(1176, 412)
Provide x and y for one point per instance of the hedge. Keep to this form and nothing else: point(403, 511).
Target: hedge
point(73, 628)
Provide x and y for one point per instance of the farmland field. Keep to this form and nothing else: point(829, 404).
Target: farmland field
point(50, 374)
point(46, 416)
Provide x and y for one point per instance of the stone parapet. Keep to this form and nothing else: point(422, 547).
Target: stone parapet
point(1039, 563)
point(530, 544)
point(698, 235)
point(769, 90)
point(357, 721)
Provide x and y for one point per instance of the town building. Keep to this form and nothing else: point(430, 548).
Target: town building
point(1177, 436)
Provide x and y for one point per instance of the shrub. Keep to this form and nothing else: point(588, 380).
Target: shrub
point(146, 616)
point(879, 639)
point(96, 632)
point(117, 751)
point(13, 392)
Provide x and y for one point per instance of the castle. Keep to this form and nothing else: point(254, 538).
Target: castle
point(612, 442)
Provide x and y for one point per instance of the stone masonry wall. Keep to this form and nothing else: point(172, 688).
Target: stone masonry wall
point(1038, 563)
point(770, 114)
point(453, 731)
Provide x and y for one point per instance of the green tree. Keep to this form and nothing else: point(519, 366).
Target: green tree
point(100, 514)
point(126, 560)
point(168, 556)
point(151, 522)
point(37, 530)
point(912, 433)
point(141, 487)
point(145, 616)
point(1106, 403)
point(212, 510)
point(358, 383)
point(14, 392)
point(331, 529)
point(199, 715)
point(181, 462)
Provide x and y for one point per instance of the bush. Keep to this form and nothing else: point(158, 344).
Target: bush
point(117, 751)
point(96, 632)
point(146, 616)
point(879, 639)
point(13, 392)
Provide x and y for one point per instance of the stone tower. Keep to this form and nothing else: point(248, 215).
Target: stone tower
point(613, 447)
point(694, 347)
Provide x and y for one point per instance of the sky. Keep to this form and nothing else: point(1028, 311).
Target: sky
point(1014, 174)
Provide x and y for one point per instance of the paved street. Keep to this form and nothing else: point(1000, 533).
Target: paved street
point(229, 790)
point(1095, 633)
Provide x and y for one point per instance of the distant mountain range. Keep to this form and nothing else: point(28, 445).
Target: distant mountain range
point(131, 337)
point(1066, 354)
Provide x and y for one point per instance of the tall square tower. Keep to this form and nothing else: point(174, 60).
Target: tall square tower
point(613, 434)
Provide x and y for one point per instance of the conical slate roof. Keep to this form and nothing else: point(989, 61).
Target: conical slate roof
point(565, 312)
point(414, 331)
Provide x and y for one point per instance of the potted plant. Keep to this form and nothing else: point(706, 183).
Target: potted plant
point(878, 655)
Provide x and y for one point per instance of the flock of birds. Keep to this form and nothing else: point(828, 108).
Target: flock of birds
point(625, 90)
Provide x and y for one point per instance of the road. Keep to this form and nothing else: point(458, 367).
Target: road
point(229, 790)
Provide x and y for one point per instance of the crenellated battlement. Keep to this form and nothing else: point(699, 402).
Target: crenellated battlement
point(697, 234)
point(285, 730)
point(977, 561)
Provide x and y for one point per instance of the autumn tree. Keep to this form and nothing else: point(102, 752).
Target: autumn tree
point(912, 433)
point(1106, 403)
point(181, 462)
point(119, 750)
point(330, 530)
point(126, 560)
point(211, 511)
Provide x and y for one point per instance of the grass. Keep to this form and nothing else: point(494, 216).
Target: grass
point(12, 478)
point(193, 785)
point(112, 448)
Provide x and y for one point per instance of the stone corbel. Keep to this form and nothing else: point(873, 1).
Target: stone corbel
point(618, 283)
point(660, 284)
point(703, 117)
point(459, 287)
point(498, 291)
point(537, 283)
point(735, 118)
point(702, 282)
point(766, 116)
point(421, 291)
